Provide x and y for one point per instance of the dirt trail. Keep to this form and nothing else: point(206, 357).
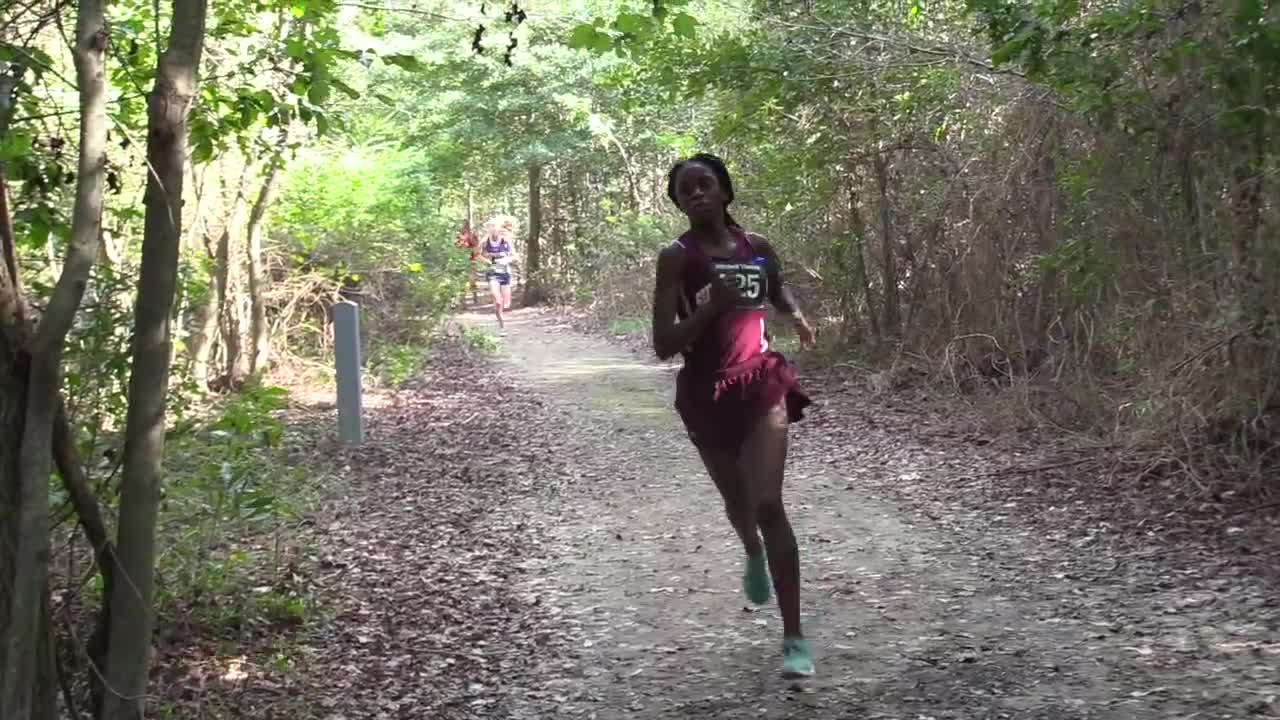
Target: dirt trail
point(913, 614)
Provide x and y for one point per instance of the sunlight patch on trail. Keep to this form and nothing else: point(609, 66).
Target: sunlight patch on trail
point(601, 380)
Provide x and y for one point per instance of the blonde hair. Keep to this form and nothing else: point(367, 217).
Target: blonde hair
point(501, 222)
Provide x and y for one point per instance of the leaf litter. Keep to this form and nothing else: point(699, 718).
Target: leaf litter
point(531, 536)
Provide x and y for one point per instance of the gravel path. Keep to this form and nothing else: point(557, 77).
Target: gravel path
point(919, 606)
point(568, 558)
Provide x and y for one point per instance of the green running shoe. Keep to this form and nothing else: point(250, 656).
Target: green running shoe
point(755, 579)
point(796, 659)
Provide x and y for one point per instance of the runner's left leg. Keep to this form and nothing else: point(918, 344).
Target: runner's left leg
point(764, 459)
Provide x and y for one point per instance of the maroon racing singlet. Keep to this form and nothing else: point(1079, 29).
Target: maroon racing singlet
point(730, 376)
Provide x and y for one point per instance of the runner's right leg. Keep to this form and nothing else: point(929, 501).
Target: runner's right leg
point(495, 289)
point(739, 505)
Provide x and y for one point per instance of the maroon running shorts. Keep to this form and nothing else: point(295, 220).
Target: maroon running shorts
point(719, 409)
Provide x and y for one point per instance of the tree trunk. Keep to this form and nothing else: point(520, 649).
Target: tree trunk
point(1044, 192)
point(633, 188)
point(53, 268)
point(575, 204)
point(533, 291)
point(859, 228)
point(1249, 355)
point(1246, 207)
point(14, 367)
point(892, 312)
point(110, 250)
point(259, 332)
point(89, 514)
point(557, 223)
point(204, 328)
point(13, 373)
point(186, 304)
point(131, 614)
point(13, 386)
point(202, 308)
point(27, 628)
point(227, 284)
point(44, 700)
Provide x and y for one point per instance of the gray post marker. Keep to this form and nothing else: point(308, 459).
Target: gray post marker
point(346, 341)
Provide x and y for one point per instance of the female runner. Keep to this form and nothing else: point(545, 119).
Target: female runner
point(735, 395)
point(498, 251)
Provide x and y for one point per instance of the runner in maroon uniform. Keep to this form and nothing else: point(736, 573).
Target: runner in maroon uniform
point(735, 395)
point(467, 239)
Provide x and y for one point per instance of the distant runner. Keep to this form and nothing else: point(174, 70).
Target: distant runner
point(497, 249)
point(467, 239)
point(735, 395)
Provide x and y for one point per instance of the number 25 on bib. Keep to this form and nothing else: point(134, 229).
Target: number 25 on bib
point(748, 278)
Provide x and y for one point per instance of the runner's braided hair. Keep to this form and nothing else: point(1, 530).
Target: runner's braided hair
point(717, 167)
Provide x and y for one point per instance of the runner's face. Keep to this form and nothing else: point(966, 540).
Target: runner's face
point(698, 192)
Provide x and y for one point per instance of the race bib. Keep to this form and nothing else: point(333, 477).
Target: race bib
point(748, 277)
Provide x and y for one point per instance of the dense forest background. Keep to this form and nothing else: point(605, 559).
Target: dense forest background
point(1062, 211)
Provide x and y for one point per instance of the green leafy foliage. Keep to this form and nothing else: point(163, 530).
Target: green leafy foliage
point(370, 217)
point(478, 340)
point(225, 482)
point(628, 327)
point(1085, 54)
point(400, 364)
point(632, 31)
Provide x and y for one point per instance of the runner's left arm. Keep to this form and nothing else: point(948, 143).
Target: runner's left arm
point(780, 293)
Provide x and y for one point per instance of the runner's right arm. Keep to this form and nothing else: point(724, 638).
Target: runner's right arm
point(669, 335)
